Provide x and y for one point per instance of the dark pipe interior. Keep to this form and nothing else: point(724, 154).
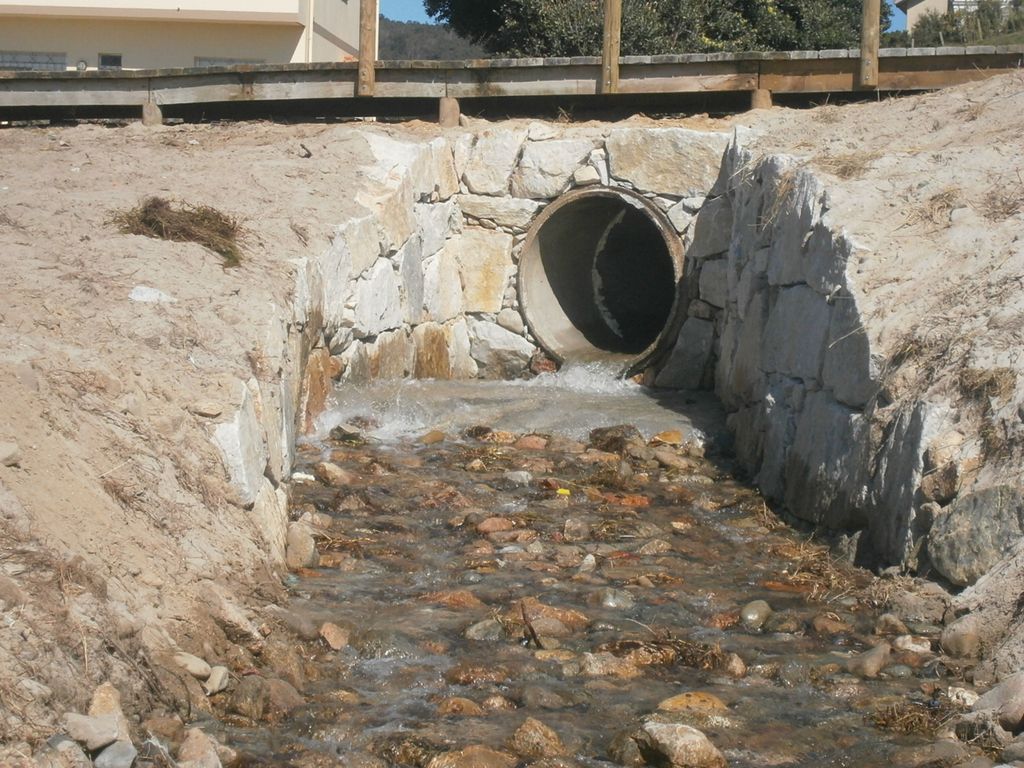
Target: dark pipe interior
point(610, 271)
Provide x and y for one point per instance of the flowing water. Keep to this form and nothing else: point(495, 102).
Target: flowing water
point(479, 581)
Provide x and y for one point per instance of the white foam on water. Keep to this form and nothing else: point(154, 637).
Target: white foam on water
point(570, 403)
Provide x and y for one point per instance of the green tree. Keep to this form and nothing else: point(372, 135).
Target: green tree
point(574, 27)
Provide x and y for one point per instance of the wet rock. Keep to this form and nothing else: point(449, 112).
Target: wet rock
point(869, 663)
point(489, 630)
point(383, 644)
point(910, 644)
point(120, 754)
point(1007, 701)
point(614, 439)
point(519, 478)
point(734, 666)
point(614, 599)
point(785, 622)
point(282, 698)
point(531, 443)
point(575, 529)
point(677, 745)
point(475, 756)
point(975, 532)
point(535, 739)
point(607, 665)
point(332, 475)
point(495, 525)
point(754, 614)
point(534, 609)
point(169, 731)
point(301, 547)
point(625, 751)
point(457, 599)
point(474, 674)
point(944, 752)
point(336, 637)
point(693, 701)
point(890, 624)
point(217, 681)
point(93, 733)
point(249, 698)
point(460, 707)
point(195, 666)
point(198, 750)
point(962, 638)
point(542, 697)
point(433, 437)
point(498, 703)
point(826, 624)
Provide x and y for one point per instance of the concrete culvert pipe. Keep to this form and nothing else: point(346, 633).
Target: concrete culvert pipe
point(599, 276)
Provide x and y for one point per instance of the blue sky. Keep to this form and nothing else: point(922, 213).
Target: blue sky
point(412, 10)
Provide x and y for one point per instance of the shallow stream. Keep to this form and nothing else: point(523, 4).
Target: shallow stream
point(479, 579)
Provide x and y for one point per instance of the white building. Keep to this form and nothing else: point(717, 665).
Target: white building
point(150, 34)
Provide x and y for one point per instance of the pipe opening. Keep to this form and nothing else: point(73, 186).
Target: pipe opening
point(598, 278)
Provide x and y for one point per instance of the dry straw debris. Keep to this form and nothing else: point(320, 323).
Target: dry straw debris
point(1004, 200)
point(937, 208)
point(849, 165)
point(202, 224)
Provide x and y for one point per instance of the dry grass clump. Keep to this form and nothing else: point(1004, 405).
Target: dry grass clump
point(783, 189)
point(667, 651)
point(812, 566)
point(937, 208)
point(202, 224)
point(1003, 201)
point(849, 165)
point(984, 384)
point(915, 717)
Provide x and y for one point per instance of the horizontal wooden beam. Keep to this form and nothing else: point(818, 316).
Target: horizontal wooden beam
point(781, 73)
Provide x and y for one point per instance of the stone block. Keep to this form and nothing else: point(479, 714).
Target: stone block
point(243, 448)
point(391, 356)
point(442, 287)
point(712, 230)
point(508, 212)
point(849, 370)
point(435, 223)
point(500, 354)
point(714, 282)
point(492, 160)
point(795, 335)
point(668, 161)
point(796, 211)
point(378, 305)
point(484, 259)
point(826, 464)
point(546, 167)
point(687, 363)
point(270, 511)
point(443, 351)
point(975, 532)
point(409, 261)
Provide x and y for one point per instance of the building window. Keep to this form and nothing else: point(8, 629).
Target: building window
point(110, 61)
point(53, 62)
point(220, 61)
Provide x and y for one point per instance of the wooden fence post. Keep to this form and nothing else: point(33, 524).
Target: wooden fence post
point(612, 44)
point(367, 47)
point(870, 35)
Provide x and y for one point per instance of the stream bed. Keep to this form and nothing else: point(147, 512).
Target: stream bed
point(506, 577)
